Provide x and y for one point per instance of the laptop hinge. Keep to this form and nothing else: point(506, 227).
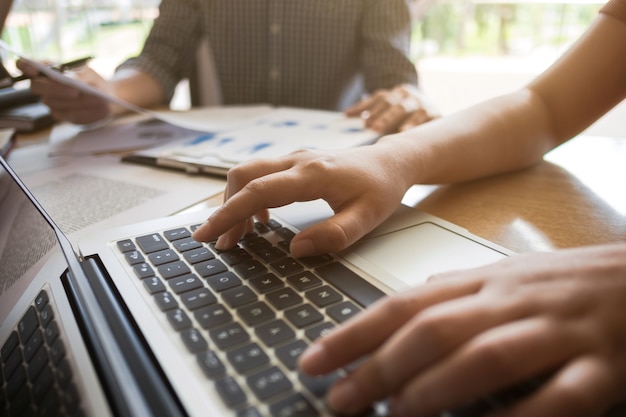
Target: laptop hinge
point(134, 383)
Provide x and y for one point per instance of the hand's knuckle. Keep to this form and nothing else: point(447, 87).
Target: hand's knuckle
point(257, 186)
point(496, 357)
point(398, 306)
point(433, 329)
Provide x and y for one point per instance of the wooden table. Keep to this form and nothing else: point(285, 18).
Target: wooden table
point(576, 197)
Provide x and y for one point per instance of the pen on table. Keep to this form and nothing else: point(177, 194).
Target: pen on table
point(65, 66)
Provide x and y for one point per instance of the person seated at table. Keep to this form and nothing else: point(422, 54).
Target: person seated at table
point(471, 333)
point(310, 54)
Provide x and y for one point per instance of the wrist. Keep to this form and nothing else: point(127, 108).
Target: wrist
point(403, 152)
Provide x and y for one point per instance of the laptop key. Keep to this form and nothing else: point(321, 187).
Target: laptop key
point(223, 281)
point(198, 255)
point(229, 335)
point(213, 316)
point(249, 269)
point(255, 243)
point(15, 381)
point(323, 296)
point(295, 405)
point(239, 296)
point(151, 243)
point(256, 313)
point(208, 268)
point(63, 373)
point(268, 383)
point(41, 300)
point(42, 384)
point(176, 234)
point(274, 332)
point(343, 311)
point(153, 285)
point(173, 269)
point(186, 244)
point(211, 364)
point(285, 233)
point(249, 412)
point(165, 301)
point(12, 363)
point(319, 330)
point(39, 360)
point(194, 340)
point(195, 299)
point(51, 332)
point(283, 298)
point(126, 245)
point(163, 257)
point(287, 266)
point(266, 283)
point(304, 280)
point(289, 353)
point(247, 357)
point(313, 261)
point(57, 351)
point(303, 315)
point(143, 270)
point(45, 315)
point(8, 346)
point(35, 341)
point(230, 391)
point(28, 324)
point(178, 319)
point(350, 283)
point(235, 256)
point(185, 283)
point(134, 257)
point(270, 254)
point(274, 224)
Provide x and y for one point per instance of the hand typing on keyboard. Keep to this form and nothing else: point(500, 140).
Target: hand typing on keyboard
point(463, 342)
point(357, 184)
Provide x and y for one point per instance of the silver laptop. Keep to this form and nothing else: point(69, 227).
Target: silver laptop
point(145, 321)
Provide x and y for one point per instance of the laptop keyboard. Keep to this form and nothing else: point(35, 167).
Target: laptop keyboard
point(36, 378)
point(248, 313)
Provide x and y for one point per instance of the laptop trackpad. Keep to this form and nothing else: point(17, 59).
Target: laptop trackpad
point(407, 257)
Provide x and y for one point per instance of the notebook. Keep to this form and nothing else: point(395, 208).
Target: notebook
point(144, 321)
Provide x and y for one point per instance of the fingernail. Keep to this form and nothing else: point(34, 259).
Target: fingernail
point(300, 248)
point(343, 396)
point(199, 229)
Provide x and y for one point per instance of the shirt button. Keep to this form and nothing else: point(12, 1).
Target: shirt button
point(275, 28)
point(274, 74)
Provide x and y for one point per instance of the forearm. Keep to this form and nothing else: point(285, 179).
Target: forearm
point(136, 87)
point(503, 134)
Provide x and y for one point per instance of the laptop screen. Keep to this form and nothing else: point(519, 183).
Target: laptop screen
point(26, 241)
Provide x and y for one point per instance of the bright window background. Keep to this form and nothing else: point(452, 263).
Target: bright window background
point(465, 50)
point(62, 30)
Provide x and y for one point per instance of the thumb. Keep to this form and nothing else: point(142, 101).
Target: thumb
point(334, 234)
